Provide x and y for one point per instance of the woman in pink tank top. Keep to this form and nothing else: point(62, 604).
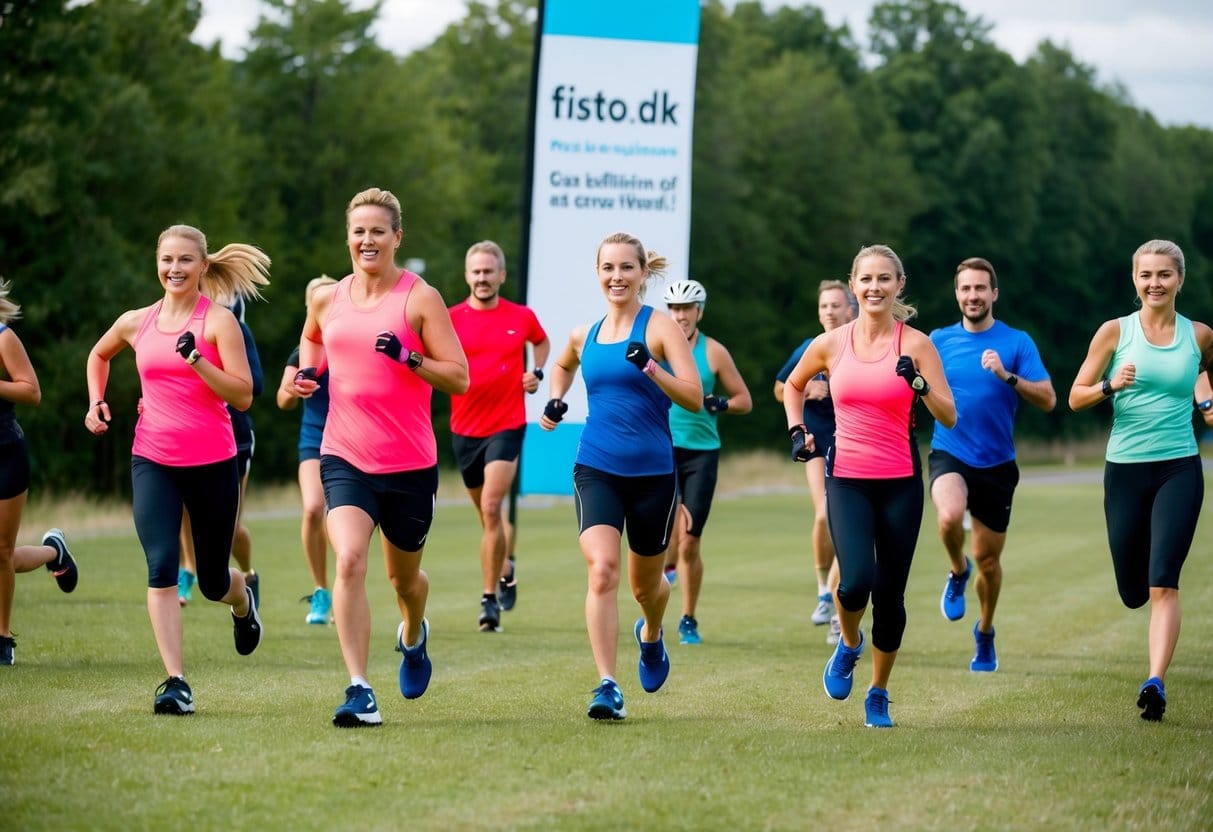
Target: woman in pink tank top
point(192, 363)
point(387, 341)
point(878, 367)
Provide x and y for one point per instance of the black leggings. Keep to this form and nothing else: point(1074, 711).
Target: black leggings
point(874, 525)
point(1151, 510)
point(211, 494)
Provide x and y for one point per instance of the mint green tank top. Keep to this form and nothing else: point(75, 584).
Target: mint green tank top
point(697, 431)
point(1152, 418)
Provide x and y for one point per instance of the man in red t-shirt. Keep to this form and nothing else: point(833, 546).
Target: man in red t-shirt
point(489, 420)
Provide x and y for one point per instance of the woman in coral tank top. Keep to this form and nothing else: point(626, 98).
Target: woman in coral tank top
point(192, 364)
point(878, 367)
point(386, 338)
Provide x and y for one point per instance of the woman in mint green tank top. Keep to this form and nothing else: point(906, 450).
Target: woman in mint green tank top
point(1147, 363)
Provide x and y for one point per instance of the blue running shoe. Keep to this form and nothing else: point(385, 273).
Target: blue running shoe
point(607, 702)
point(654, 661)
point(63, 567)
point(174, 697)
point(986, 660)
point(837, 677)
point(824, 610)
point(185, 586)
point(1152, 699)
point(876, 709)
point(359, 709)
point(688, 631)
point(952, 604)
point(322, 604)
point(415, 667)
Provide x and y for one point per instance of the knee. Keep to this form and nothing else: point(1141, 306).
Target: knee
point(7, 551)
point(987, 563)
point(351, 567)
point(949, 516)
point(214, 586)
point(1134, 598)
point(491, 513)
point(602, 577)
point(313, 514)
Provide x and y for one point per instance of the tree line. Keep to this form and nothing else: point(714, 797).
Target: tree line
point(114, 125)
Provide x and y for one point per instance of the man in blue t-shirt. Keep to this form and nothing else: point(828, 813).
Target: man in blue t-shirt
point(989, 367)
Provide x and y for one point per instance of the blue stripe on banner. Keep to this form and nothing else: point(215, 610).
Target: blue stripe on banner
point(666, 21)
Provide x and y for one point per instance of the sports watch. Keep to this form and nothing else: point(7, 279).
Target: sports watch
point(1205, 406)
point(1106, 387)
point(193, 357)
point(414, 360)
point(1012, 379)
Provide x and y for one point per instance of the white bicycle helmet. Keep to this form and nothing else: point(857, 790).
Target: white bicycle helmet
point(685, 291)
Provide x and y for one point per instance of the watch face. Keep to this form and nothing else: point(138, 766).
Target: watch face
point(919, 383)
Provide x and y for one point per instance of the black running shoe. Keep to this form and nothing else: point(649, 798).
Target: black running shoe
point(507, 589)
point(64, 566)
point(8, 650)
point(174, 697)
point(247, 629)
point(490, 615)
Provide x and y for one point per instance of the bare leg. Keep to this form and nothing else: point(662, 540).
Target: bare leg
point(950, 494)
point(1164, 628)
point(987, 552)
point(350, 531)
point(311, 531)
point(412, 587)
point(600, 545)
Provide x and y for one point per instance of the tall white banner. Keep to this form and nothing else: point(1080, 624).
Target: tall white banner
point(613, 109)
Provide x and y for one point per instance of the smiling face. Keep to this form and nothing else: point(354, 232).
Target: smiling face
point(1157, 281)
point(484, 275)
point(833, 309)
point(180, 264)
point(975, 295)
point(371, 240)
point(620, 273)
point(876, 283)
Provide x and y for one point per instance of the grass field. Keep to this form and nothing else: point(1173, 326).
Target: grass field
point(741, 737)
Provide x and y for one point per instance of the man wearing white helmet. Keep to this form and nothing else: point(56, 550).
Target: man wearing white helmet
point(697, 445)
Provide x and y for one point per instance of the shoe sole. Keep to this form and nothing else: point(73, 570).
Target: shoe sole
point(1152, 704)
point(70, 574)
point(490, 626)
point(347, 719)
point(319, 621)
point(607, 714)
point(172, 707)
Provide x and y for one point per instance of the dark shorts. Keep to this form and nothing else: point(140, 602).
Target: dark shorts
point(475, 452)
point(244, 459)
point(990, 489)
point(401, 503)
point(14, 469)
point(645, 505)
point(696, 484)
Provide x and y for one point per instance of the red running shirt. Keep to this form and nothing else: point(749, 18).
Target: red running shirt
point(494, 341)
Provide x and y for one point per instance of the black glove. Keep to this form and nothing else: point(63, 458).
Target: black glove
point(555, 409)
point(799, 436)
point(387, 343)
point(307, 374)
point(638, 354)
point(906, 369)
point(185, 344)
point(715, 404)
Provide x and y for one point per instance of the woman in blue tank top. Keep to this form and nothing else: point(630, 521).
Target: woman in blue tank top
point(624, 470)
point(1147, 363)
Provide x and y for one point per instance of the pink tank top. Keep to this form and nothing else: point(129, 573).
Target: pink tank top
point(873, 413)
point(184, 422)
point(379, 410)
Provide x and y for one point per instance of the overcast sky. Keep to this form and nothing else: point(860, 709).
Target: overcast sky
point(1162, 51)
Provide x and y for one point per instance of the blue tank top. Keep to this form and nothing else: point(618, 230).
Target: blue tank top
point(10, 431)
point(697, 431)
point(315, 410)
point(627, 431)
point(1152, 419)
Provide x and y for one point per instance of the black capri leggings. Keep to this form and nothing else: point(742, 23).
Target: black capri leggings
point(211, 494)
point(1151, 510)
point(874, 525)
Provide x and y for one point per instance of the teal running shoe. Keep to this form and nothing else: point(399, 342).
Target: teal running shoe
point(185, 586)
point(688, 631)
point(321, 601)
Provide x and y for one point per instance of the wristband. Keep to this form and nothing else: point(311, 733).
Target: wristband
point(1107, 388)
point(795, 429)
point(414, 360)
point(538, 373)
point(1205, 406)
point(650, 368)
point(193, 357)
